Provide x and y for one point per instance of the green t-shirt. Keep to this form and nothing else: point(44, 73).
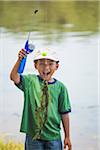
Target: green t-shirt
point(34, 112)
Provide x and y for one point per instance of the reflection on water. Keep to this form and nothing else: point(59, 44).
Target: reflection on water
point(71, 29)
point(52, 16)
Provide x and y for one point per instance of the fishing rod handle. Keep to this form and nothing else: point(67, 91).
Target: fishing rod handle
point(28, 48)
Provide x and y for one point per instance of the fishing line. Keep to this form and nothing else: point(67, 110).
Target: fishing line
point(29, 47)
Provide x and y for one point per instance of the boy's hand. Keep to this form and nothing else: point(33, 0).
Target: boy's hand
point(22, 53)
point(68, 143)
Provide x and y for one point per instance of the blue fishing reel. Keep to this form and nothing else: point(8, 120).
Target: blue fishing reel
point(29, 47)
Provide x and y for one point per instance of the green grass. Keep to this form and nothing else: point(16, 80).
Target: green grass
point(10, 145)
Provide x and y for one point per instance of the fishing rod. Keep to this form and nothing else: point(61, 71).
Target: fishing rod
point(29, 47)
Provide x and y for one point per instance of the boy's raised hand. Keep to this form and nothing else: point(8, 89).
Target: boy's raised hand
point(22, 53)
point(67, 142)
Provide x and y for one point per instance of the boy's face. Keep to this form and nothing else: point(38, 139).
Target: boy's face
point(46, 68)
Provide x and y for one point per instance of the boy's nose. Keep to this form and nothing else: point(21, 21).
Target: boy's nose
point(45, 61)
point(46, 65)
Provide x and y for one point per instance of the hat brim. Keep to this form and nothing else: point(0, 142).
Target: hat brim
point(46, 57)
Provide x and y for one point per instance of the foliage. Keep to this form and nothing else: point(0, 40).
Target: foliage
point(62, 16)
point(10, 145)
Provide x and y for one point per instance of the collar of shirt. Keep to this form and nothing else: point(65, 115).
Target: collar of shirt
point(48, 82)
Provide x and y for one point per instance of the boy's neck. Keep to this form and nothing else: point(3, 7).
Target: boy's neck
point(50, 81)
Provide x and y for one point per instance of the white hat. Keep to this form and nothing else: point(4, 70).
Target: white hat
point(45, 54)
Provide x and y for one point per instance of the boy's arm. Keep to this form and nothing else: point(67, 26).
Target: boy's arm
point(14, 76)
point(65, 122)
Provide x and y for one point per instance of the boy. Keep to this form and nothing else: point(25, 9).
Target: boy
point(46, 103)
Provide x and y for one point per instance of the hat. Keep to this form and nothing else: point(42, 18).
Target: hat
point(45, 54)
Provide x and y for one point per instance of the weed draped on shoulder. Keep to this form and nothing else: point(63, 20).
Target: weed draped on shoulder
point(42, 111)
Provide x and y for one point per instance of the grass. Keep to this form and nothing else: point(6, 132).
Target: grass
point(10, 145)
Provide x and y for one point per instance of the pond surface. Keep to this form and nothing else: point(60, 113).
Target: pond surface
point(71, 28)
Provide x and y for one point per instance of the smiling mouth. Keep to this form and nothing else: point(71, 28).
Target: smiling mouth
point(46, 73)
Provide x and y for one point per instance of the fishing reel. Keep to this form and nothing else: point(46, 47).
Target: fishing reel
point(29, 47)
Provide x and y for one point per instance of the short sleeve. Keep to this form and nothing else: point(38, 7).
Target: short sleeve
point(20, 85)
point(64, 102)
point(24, 82)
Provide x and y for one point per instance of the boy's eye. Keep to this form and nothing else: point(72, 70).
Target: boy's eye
point(51, 63)
point(48, 63)
point(41, 63)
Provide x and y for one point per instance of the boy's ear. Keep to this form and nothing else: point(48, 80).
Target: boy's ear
point(35, 65)
point(57, 66)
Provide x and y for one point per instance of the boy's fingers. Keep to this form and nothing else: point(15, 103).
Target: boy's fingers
point(22, 53)
point(70, 147)
point(64, 146)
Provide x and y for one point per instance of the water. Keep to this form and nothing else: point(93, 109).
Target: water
point(78, 53)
